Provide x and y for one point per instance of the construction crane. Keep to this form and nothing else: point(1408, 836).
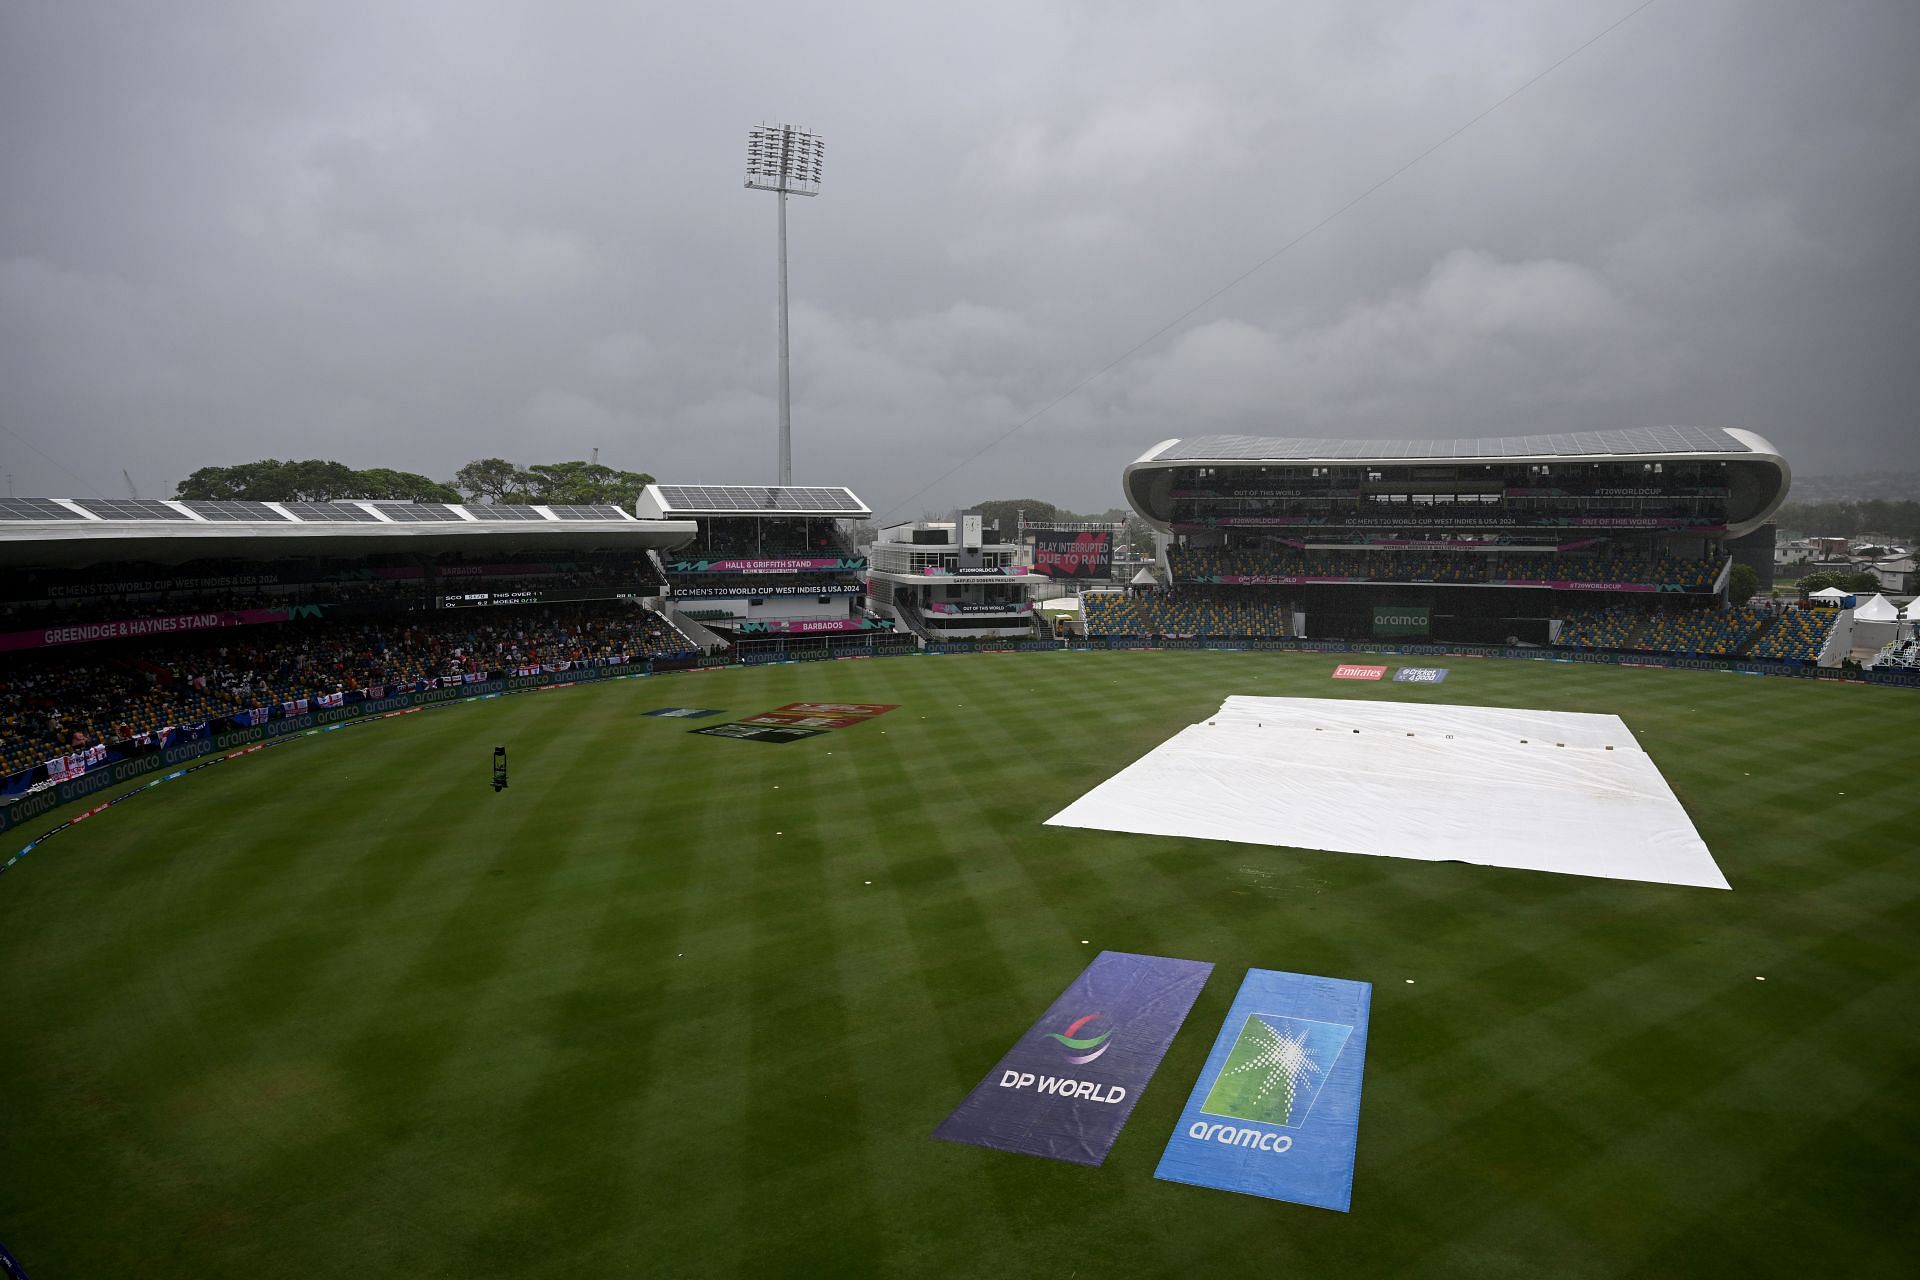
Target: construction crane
point(132, 492)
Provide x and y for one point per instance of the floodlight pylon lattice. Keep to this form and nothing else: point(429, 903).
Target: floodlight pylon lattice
point(787, 161)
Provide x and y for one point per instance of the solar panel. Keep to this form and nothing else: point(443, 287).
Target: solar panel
point(588, 513)
point(755, 499)
point(131, 509)
point(35, 509)
point(419, 512)
point(504, 511)
point(234, 511)
point(1574, 444)
point(329, 513)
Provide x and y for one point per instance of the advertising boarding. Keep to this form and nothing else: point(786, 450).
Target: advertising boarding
point(1066, 1088)
point(1276, 1112)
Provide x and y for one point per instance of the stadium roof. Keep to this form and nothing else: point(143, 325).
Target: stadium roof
point(1635, 444)
point(1759, 485)
point(681, 501)
point(84, 530)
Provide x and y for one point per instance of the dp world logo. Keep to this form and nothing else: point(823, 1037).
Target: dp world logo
point(1276, 1068)
point(1082, 1049)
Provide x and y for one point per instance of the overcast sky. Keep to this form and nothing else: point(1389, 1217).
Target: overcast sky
point(411, 234)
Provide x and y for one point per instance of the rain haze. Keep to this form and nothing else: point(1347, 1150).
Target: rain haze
point(415, 235)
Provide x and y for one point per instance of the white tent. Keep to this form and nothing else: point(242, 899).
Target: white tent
point(1144, 579)
point(1913, 610)
point(1831, 593)
point(1877, 609)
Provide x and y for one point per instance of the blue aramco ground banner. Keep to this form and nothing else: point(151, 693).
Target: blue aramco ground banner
point(1277, 1110)
point(1067, 1086)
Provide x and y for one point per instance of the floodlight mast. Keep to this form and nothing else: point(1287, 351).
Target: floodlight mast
point(786, 161)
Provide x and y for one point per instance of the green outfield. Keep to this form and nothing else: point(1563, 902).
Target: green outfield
point(676, 1004)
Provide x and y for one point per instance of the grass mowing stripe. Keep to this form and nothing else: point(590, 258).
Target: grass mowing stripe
point(1585, 1080)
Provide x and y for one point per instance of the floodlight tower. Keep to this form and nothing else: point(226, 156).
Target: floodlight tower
point(785, 161)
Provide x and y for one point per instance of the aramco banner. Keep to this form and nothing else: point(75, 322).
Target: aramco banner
point(1401, 619)
point(1276, 1112)
point(1067, 1086)
point(1059, 554)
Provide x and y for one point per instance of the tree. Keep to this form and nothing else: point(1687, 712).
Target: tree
point(313, 480)
point(1741, 584)
point(380, 482)
point(489, 478)
point(1845, 579)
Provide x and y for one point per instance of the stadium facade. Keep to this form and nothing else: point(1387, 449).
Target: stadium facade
point(951, 579)
point(1491, 539)
point(773, 569)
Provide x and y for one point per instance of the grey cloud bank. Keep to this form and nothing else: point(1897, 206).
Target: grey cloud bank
point(410, 235)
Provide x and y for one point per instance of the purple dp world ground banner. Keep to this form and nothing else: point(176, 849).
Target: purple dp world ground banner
point(1067, 1086)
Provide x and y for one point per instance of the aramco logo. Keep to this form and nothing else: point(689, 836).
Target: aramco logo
point(1083, 1049)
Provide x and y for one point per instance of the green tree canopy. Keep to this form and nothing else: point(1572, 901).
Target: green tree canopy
point(312, 480)
point(1741, 584)
point(1845, 579)
point(564, 483)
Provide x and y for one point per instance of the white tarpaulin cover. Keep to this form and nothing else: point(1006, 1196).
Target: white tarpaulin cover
point(1537, 790)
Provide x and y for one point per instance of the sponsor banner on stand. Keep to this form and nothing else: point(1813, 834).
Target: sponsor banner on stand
point(1402, 619)
point(809, 626)
point(1276, 1112)
point(1066, 1088)
point(758, 733)
point(172, 624)
point(989, 571)
point(742, 590)
point(1012, 606)
point(1358, 671)
point(801, 564)
point(1420, 675)
point(686, 713)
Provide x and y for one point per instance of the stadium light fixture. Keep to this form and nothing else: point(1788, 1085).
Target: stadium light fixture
point(786, 161)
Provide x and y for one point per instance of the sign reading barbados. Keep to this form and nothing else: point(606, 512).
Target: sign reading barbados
point(1068, 1085)
point(1277, 1110)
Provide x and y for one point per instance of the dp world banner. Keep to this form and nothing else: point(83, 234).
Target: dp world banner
point(1277, 1110)
point(1401, 619)
point(1067, 1086)
point(1059, 554)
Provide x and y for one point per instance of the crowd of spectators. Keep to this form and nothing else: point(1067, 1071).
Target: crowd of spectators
point(1186, 613)
point(766, 537)
point(1189, 563)
point(55, 700)
point(409, 586)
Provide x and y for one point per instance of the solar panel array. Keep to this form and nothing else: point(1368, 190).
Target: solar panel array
point(1572, 444)
point(419, 512)
point(131, 509)
point(35, 509)
point(739, 499)
point(225, 511)
point(504, 511)
point(588, 513)
point(329, 513)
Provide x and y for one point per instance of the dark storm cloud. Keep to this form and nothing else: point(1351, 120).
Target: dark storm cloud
point(410, 235)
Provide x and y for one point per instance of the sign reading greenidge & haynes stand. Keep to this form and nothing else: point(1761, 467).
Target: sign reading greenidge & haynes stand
point(1067, 1086)
point(1402, 619)
point(1276, 1112)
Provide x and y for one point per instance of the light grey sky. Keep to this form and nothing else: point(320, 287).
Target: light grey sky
point(412, 234)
